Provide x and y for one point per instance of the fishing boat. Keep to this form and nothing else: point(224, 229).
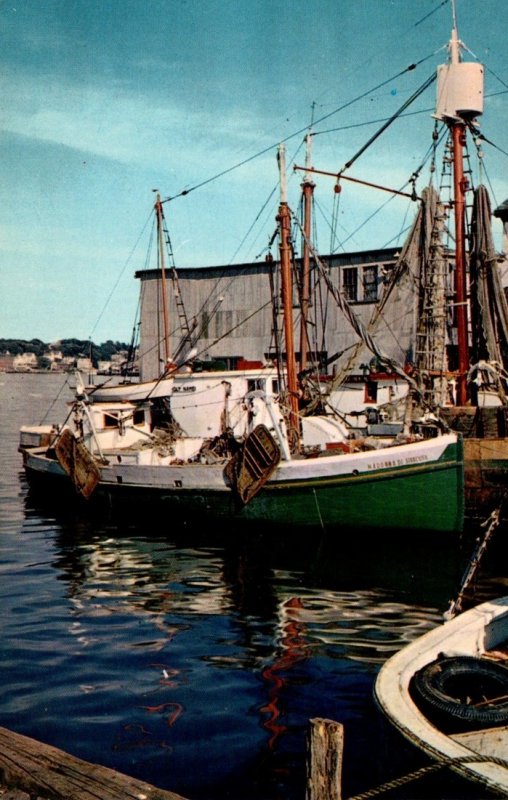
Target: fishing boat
point(447, 693)
point(444, 305)
point(459, 336)
point(266, 461)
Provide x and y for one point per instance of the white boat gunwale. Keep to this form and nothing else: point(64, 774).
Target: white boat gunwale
point(472, 632)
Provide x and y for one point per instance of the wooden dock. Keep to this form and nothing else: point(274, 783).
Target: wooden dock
point(30, 770)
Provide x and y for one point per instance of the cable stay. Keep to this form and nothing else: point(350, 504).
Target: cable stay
point(304, 129)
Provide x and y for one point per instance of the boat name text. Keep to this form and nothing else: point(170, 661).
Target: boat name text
point(398, 462)
point(177, 389)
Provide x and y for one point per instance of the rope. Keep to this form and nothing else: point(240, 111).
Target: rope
point(423, 771)
point(491, 523)
point(358, 325)
point(62, 387)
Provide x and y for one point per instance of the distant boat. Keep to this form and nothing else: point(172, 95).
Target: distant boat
point(447, 693)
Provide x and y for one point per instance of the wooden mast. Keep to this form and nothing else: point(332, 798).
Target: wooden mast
point(164, 291)
point(284, 220)
point(308, 190)
point(459, 99)
point(461, 316)
point(458, 133)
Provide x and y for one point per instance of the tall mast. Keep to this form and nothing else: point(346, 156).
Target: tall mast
point(284, 220)
point(461, 316)
point(164, 291)
point(308, 190)
point(458, 133)
point(459, 99)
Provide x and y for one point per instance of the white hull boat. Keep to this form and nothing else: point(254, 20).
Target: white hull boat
point(447, 693)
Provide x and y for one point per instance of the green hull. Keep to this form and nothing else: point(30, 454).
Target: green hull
point(429, 497)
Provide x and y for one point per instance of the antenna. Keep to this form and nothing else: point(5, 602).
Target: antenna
point(454, 14)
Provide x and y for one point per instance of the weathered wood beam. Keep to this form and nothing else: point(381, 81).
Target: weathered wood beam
point(40, 769)
point(325, 745)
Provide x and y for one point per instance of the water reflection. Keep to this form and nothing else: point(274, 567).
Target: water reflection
point(194, 659)
point(186, 643)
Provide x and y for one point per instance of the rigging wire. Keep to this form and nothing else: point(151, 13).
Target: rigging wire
point(430, 80)
point(368, 219)
point(262, 209)
point(443, 3)
point(290, 136)
point(335, 218)
point(221, 287)
point(482, 170)
point(441, 135)
point(428, 110)
point(114, 287)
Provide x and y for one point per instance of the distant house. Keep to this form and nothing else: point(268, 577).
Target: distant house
point(84, 364)
point(25, 362)
point(53, 355)
point(6, 362)
point(104, 367)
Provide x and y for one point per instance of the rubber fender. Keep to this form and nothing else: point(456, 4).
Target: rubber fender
point(460, 693)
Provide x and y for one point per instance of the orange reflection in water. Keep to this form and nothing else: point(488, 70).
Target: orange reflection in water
point(294, 649)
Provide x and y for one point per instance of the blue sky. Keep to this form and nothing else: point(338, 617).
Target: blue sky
point(102, 102)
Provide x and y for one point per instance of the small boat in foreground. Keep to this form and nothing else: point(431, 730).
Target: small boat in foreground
point(447, 693)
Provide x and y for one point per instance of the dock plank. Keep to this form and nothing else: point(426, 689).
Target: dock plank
point(43, 770)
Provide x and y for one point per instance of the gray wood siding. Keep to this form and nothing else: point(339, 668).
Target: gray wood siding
point(232, 311)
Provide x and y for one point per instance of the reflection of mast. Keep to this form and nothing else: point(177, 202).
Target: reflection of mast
point(459, 99)
point(308, 190)
point(284, 220)
point(165, 314)
point(294, 649)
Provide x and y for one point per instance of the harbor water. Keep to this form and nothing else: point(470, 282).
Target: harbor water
point(193, 657)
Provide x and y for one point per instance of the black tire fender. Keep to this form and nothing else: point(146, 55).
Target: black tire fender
point(460, 693)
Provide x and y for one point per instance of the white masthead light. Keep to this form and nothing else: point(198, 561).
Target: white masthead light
point(459, 86)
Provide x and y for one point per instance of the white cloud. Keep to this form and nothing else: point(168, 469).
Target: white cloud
point(132, 128)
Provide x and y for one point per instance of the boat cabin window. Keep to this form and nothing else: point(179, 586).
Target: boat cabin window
point(138, 418)
point(256, 383)
point(370, 392)
point(110, 420)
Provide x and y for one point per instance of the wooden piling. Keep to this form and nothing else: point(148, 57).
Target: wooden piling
point(46, 772)
point(325, 745)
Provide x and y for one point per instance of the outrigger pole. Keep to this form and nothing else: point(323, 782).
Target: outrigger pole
point(165, 313)
point(284, 220)
point(308, 190)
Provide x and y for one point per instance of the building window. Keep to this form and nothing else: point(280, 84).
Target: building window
point(370, 284)
point(350, 283)
point(205, 321)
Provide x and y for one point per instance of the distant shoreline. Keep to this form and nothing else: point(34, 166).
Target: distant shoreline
point(32, 372)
